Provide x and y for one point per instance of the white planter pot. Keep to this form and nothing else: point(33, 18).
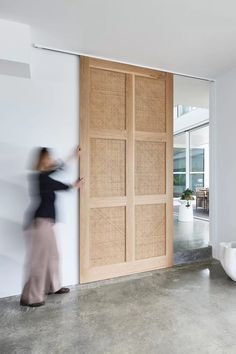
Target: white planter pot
point(185, 213)
point(228, 258)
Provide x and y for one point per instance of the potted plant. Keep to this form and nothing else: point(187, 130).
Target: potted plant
point(187, 195)
point(186, 208)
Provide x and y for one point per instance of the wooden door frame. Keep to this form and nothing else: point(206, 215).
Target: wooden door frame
point(131, 265)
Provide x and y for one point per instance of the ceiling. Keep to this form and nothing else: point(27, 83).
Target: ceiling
point(185, 36)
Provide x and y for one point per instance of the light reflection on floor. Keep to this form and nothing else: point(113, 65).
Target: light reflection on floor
point(190, 235)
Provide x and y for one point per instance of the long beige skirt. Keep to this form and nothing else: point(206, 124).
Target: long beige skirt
point(42, 267)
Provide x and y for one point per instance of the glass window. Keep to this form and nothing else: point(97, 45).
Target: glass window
point(196, 180)
point(194, 174)
point(179, 159)
point(180, 110)
point(179, 164)
point(199, 158)
point(196, 160)
point(180, 153)
point(179, 184)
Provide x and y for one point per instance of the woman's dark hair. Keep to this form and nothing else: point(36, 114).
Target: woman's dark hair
point(42, 152)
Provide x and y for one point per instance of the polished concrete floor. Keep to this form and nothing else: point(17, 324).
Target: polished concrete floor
point(182, 310)
point(190, 235)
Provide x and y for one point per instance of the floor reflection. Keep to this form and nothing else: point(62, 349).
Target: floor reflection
point(190, 235)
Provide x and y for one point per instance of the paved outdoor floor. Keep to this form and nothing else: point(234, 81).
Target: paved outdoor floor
point(182, 310)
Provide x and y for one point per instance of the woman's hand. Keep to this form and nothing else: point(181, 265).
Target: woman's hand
point(78, 151)
point(78, 183)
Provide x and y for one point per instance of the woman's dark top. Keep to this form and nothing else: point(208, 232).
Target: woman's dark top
point(47, 188)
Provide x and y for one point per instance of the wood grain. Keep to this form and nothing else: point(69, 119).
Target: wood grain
point(126, 136)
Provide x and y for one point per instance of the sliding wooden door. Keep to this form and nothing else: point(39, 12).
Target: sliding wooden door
point(126, 140)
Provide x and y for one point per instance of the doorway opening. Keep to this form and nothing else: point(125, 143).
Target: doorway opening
point(191, 170)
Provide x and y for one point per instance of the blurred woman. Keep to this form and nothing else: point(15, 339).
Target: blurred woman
point(43, 263)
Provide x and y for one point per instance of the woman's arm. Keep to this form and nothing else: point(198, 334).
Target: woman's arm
point(60, 164)
point(76, 153)
point(59, 186)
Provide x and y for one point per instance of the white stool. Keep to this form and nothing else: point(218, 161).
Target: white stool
point(185, 213)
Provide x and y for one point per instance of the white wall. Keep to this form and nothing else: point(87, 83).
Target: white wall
point(223, 128)
point(41, 111)
point(207, 165)
point(15, 41)
point(14, 49)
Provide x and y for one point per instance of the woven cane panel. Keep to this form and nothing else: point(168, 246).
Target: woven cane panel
point(150, 104)
point(150, 168)
point(150, 231)
point(107, 100)
point(107, 168)
point(107, 236)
